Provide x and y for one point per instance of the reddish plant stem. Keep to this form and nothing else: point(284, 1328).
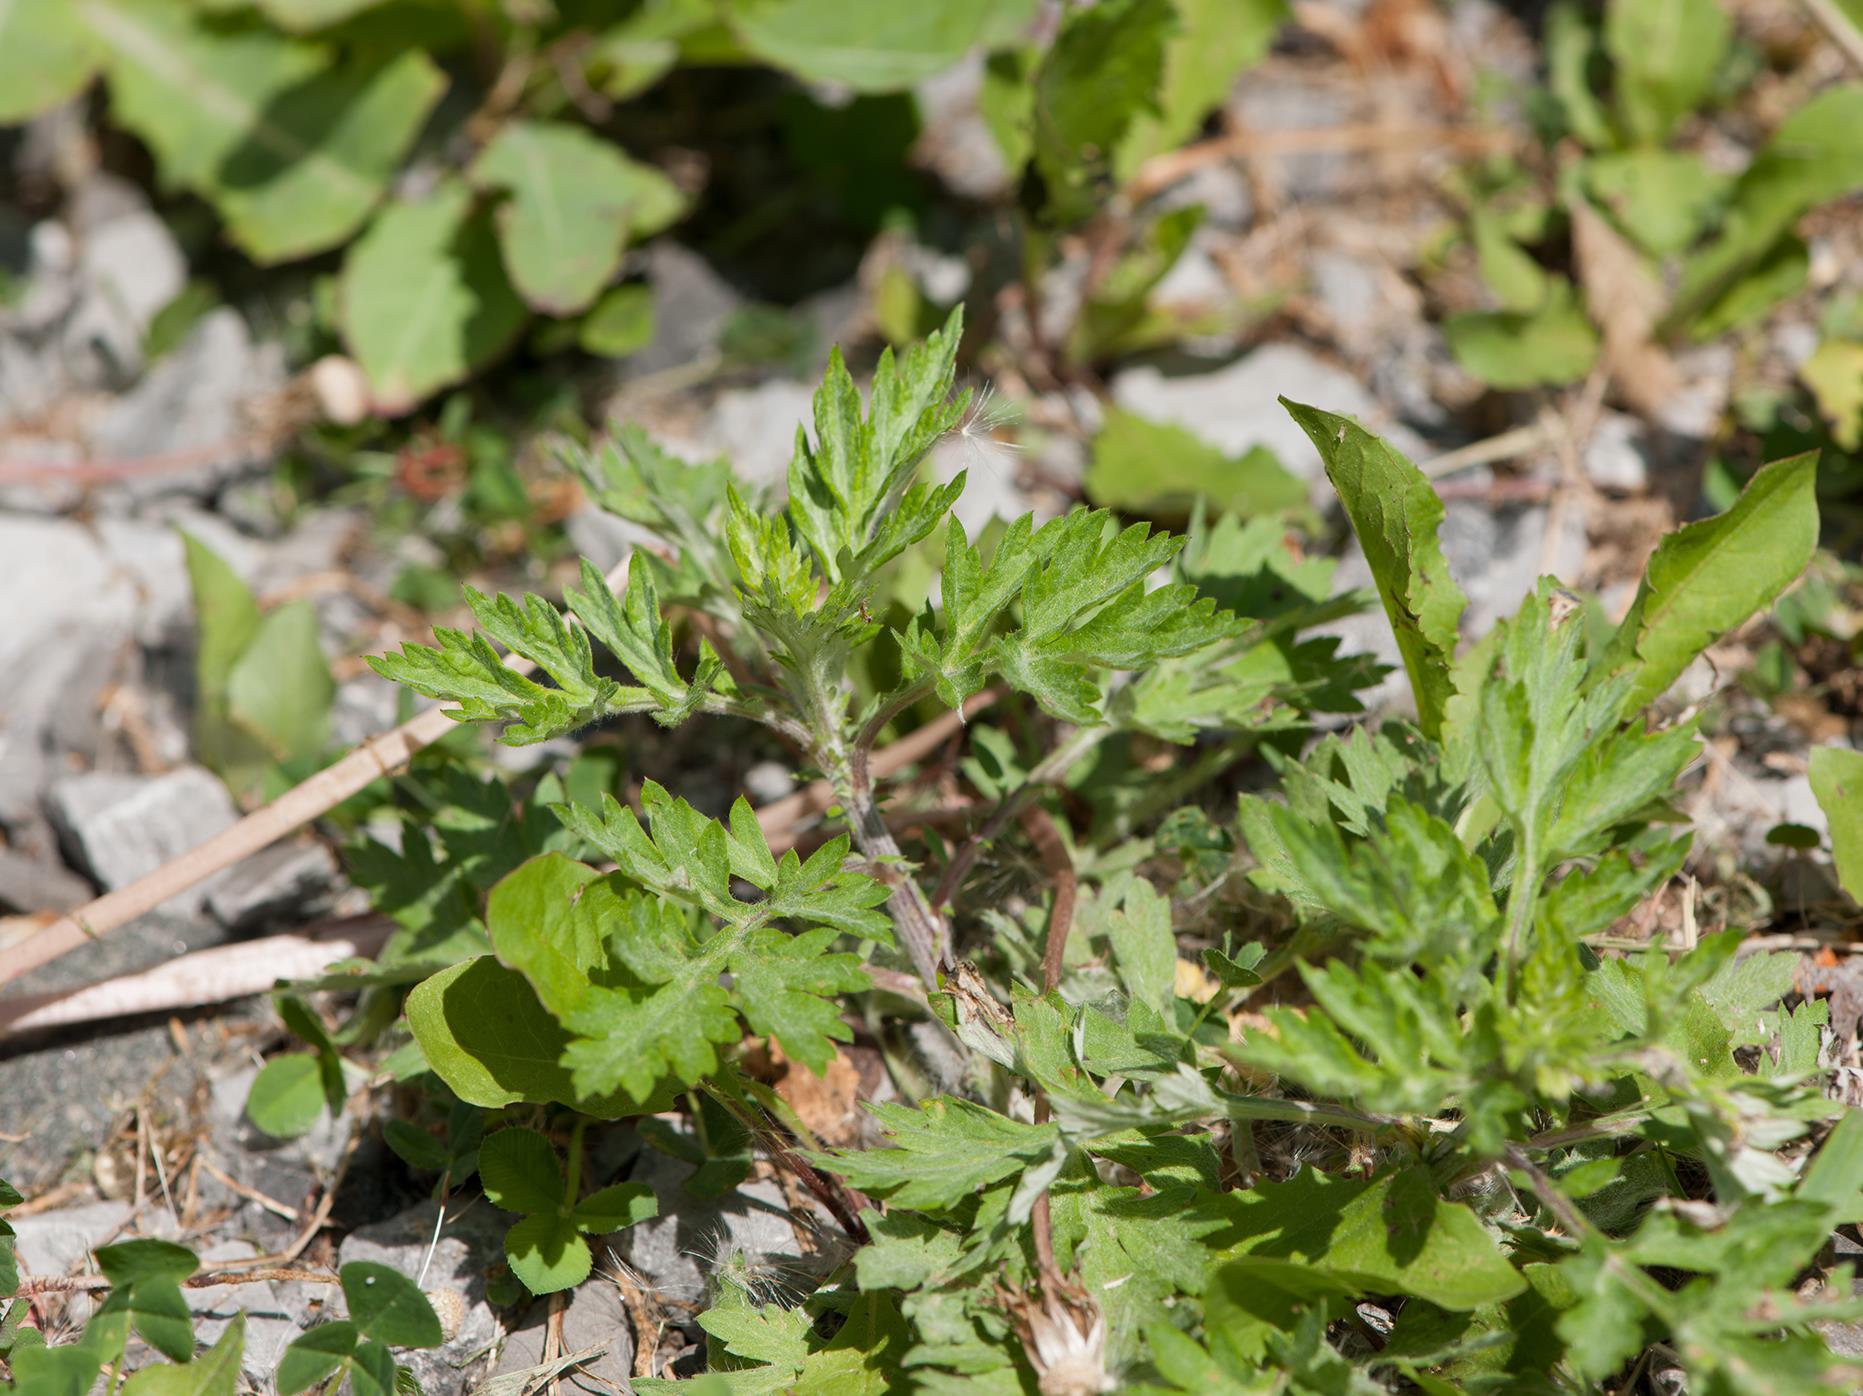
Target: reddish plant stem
point(1042, 832)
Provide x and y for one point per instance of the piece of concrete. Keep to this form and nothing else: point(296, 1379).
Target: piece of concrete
point(119, 827)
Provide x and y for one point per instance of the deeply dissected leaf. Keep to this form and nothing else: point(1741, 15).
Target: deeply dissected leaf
point(941, 1153)
point(47, 55)
point(423, 298)
point(575, 201)
point(1710, 576)
point(293, 146)
point(1396, 516)
point(786, 988)
point(1837, 781)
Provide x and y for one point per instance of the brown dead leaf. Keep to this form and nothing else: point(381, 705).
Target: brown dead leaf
point(1626, 301)
point(829, 1105)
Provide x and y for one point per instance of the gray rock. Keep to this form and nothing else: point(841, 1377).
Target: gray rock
point(1696, 410)
point(1195, 279)
point(755, 428)
point(36, 884)
point(128, 268)
point(956, 142)
point(769, 781)
point(596, 1317)
point(1349, 289)
point(1221, 188)
point(470, 1244)
point(119, 827)
point(1615, 457)
point(196, 399)
point(286, 882)
point(1235, 407)
point(605, 539)
point(366, 706)
point(1270, 101)
point(271, 1323)
point(1497, 555)
point(60, 1242)
point(680, 1251)
point(691, 304)
point(67, 633)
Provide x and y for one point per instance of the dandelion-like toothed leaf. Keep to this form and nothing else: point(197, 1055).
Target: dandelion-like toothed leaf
point(941, 1153)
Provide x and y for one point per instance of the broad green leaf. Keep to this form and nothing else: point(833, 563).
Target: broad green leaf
point(301, 16)
point(287, 1095)
point(1710, 576)
point(1213, 42)
point(1103, 69)
point(292, 144)
point(423, 299)
point(575, 202)
point(1666, 54)
point(128, 1263)
point(214, 1373)
point(519, 1171)
point(387, 1306)
point(941, 1153)
point(1158, 470)
point(1837, 781)
point(1388, 1235)
point(280, 689)
point(615, 1208)
point(548, 1254)
point(873, 48)
point(1396, 516)
point(372, 1371)
point(1834, 373)
point(1663, 199)
point(1513, 349)
point(1814, 155)
point(226, 613)
point(314, 1356)
point(488, 1038)
point(47, 55)
point(619, 324)
point(542, 928)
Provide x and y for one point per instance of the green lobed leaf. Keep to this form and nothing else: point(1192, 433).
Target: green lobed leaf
point(1708, 577)
point(1396, 516)
point(1104, 68)
point(293, 145)
point(575, 202)
point(423, 299)
point(387, 1306)
point(787, 988)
